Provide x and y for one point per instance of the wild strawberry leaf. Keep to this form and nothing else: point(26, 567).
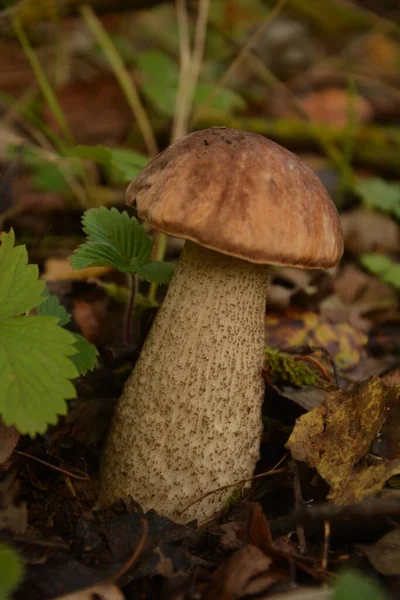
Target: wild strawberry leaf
point(114, 240)
point(85, 358)
point(35, 372)
point(20, 288)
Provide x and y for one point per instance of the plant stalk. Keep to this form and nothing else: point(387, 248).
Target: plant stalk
point(130, 308)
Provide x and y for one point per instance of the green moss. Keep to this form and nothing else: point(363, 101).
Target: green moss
point(234, 498)
point(284, 368)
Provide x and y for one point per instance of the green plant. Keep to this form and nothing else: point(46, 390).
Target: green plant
point(352, 585)
point(378, 194)
point(11, 571)
point(384, 267)
point(38, 358)
point(289, 370)
point(116, 240)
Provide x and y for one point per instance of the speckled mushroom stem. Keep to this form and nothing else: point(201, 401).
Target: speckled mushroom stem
point(189, 419)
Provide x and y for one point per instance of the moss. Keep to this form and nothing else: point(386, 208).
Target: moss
point(284, 368)
point(234, 498)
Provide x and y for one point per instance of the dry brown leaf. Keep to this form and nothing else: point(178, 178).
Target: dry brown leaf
point(362, 291)
point(336, 436)
point(366, 231)
point(331, 105)
point(384, 555)
point(104, 591)
point(9, 438)
point(59, 269)
point(247, 572)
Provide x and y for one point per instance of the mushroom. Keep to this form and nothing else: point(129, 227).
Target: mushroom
point(189, 419)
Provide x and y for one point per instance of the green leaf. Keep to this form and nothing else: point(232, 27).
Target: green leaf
point(384, 267)
point(225, 100)
point(114, 240)
point(156, 271)
point(159, 80)
point(51, 307)
point(379, 194)
point(35, 370)
point(20, 289)
point(47, 177)
point(124, 164)
point(351, 585)
point(86, 357)
point(127, 164)
point(99, 154)
point(11, 571)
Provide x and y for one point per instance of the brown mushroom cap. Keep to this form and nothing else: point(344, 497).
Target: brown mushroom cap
point(243, 195)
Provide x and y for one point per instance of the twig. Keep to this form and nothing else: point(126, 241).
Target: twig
point(299, 502)
point(178, 128)
point(125, 80)
point(273, 471)
point(135, 555)
point(129, 308)
point(327, 538)
point(237, 62)
point(59, 469)
point(315, 362)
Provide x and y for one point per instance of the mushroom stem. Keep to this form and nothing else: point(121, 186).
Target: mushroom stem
point(189, 419)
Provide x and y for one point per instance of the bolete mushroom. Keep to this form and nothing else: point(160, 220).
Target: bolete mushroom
point(189, 419)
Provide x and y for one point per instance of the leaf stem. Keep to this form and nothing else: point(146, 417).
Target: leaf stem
point(130, 308)
point(161, 246)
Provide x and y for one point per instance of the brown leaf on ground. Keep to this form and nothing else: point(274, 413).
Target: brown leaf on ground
point(336, 436)
point(295, 328)
point(384, 555)
point(331, 105)
point(104, 591)
point(60, 269)
point(9, 438)
point(366, 231)
point(247, 572)
point(363, 292)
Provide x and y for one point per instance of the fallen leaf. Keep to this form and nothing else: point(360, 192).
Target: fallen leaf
point(336, 436)
point(384, 555)
point(332, 105)
point(362, 291)
point(59, 269)
point(247, 572)
point(9, 438)
point(365, 231)
point(296, 328)
point(105, 591)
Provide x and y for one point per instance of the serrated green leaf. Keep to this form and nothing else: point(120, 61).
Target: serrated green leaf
point(11, 571)
point(86, 357)
point(20, 288)
point(156, 271)
point(159, 80)
point(51, 307)
point(114, 240)
point(35, 372)
point(384, 267)
point(351, 585)
point(378, 194)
